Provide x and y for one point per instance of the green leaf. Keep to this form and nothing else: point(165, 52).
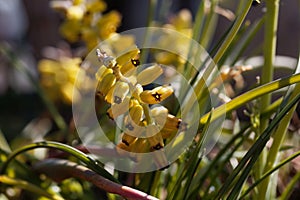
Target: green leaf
point(252, 155)
point(268, 173)
point(250, 95)
point(90, 162)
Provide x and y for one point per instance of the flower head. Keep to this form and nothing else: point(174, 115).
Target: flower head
point(123, 90)
point(84, 21)
point(182, 23)
point(60, 77)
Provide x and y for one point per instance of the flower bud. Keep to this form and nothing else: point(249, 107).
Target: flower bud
point(122, 149)
point(172, 122)
point(171, 129)
point(156, 95)
point(128, 139)
point(75, 13)
point(165, 134)
point(121, 90)
point(154, 137)
point(109, 96)
point(102, 71)
point(159, 115)
point(117, 93)
point(149, 75)
point(140, 146)
point(136, 113)
point(118, 109)
point(128, 62)
point(134, 129)
point(134, 102)
point(125, 58)
point(106, 83)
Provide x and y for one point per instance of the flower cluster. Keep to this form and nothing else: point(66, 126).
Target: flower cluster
point(182, 23)
point(85, 22)
point(58, 78)
point(145, 126)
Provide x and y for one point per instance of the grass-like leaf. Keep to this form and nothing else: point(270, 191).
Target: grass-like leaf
point(217, 164)
point(90, 162)
point(252, 155)
point(267, 174)
point(250, 95)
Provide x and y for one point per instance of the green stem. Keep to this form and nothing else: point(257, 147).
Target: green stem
point(155, 184)
point(271, 22)
point(90, 162)
point(273, 153)
point(147, 113)
point(8, 53)
point(188, 172)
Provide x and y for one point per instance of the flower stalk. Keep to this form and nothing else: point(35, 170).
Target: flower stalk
point(271, 23)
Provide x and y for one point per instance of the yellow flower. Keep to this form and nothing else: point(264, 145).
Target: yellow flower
point(108, 24)
point(90, 37)
point(182, 23)
point(77, 2)
point(95, 6)
point(85, 22)
point(71, 30)
point(75, 13)
point(117, 44)
point(143, 125)
point(156, 95)
point(58, 78)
